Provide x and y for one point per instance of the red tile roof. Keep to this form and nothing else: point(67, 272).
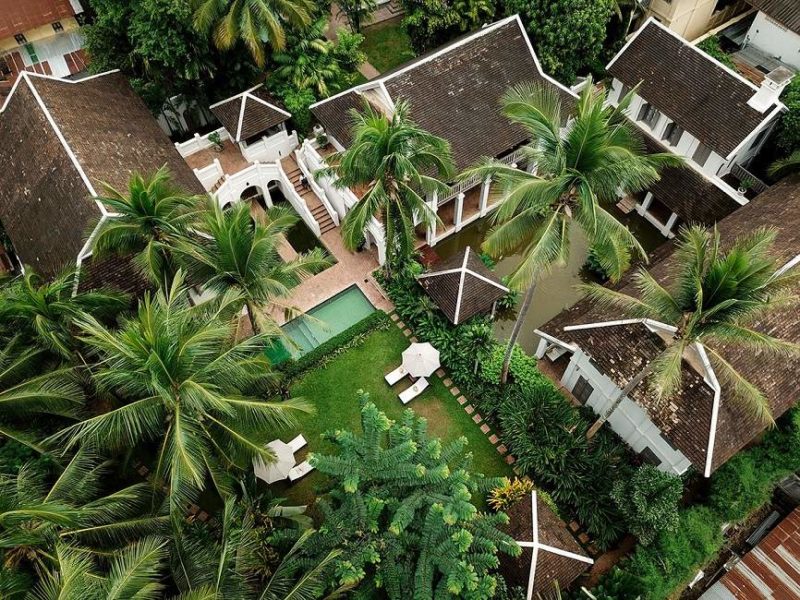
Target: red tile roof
point(22, 15)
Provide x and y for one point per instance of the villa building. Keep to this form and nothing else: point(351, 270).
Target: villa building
point(41, 36)
point(454, 93)
point(691, 105)
point(767, 40)
point(60, 142)
point(692, 18)
point(597, 354)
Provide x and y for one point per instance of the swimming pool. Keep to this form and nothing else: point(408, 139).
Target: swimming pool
point(321, 323)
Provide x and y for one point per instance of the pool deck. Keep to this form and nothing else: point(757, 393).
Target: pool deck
point(351, 268)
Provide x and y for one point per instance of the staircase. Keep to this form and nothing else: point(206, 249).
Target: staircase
point(217, 185)
point(318, 210)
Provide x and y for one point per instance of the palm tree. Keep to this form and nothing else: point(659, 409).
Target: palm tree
point(36, 515)
point(134, 572)
point(309, 62)
point(43, 312)
point(230, 567)
point(188, 384)
point(580, 169)
point(255, 22)
point(29, 390)
point(151, 215)
point(714, 299)
point(236, 252)
point(785, 166)
point(391, 157)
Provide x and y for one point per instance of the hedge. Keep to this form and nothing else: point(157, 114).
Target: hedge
point(346, 339)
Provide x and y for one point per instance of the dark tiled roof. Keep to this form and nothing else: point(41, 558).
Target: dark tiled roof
point(336, 117)
point(686, 418)
point(550, 567)
point(455, 92)
point(785, 12)
point(257, 116)
point(686, 192)
point(682, 82)
point(112, 272)
point(770, 570)
point(457, 291)
point(22, 15)
point(44, 203)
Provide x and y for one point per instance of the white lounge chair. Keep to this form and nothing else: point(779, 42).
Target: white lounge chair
point(396, 375)
point(297, 443)
point(301, 470)
point(415, 390)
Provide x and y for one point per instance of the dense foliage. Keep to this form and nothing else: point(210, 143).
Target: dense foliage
point(431, 23)
point(737, 488)
point(156, 45)
point(787, 137)
point(712, 46)
point(537, 423)
point(401, 510)
point(649, 502)
point(568, 35)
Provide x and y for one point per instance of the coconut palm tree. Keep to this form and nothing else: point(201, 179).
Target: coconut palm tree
point(257, 23)
point(29, 390)
point(309, 61)
point(236, 252)
point(392, 157)
point(151, 215)
point(230, 566)
point(580, 169)
point(785, 166)
point(715, 297)
point(43, 313)
point(185, 382)
point(36, 515)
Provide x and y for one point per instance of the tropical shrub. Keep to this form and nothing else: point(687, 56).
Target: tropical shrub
point(649, 502)
point(712, 46)
point(511, 492)
point(788, 131)
point(431, 23)
point(400, 508)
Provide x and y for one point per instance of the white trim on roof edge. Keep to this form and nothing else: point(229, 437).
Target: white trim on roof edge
point(381, 80)
point(714, 384)
point(666, 29)
point(779, 106)
point(461, 286)
point(64, 142)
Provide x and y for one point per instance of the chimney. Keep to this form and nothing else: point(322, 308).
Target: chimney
point(771, 88)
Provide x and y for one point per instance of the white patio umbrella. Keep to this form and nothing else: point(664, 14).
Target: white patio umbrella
point(275, 471)
point(420, 359)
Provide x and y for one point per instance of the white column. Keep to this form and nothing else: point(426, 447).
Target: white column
point(484, 202)
point(667, 230)
point(648, 200)
point(459, 210)
point(541, 348)
point(433, 202)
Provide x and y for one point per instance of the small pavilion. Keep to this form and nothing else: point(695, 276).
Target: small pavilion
point(250, 115)
point(550, 555)
point(462, 286)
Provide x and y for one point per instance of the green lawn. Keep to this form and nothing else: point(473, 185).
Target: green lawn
point(387, 45)
point(332, 389)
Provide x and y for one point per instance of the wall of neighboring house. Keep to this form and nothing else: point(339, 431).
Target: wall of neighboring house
point(54, 49)
point(775, 40)
point(693, 18)
point(629, 421)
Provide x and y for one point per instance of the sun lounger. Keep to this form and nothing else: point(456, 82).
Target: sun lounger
point(415, 390)
point(301, 470)
point(396, 375)
point(297, 443)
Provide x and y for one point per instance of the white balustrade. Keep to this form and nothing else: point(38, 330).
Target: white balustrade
point(200, 142)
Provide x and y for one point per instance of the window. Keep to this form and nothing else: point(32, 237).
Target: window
point(701, 154)
point(650, 457)
point(759, 138)
point(20, 39)
point(57, 26)
point(673, 134)
point(649, 115)
point(31, 53)
point(666, 441)
point(623, 91)
point(582, 390)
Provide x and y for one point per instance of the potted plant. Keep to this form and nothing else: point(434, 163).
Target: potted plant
point(744, 185)
point(216, 141)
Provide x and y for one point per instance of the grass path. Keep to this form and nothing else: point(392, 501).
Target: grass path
point(333, 391)
point(387, 45)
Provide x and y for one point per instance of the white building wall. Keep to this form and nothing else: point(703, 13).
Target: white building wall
point(775, 40)
point(629, 421)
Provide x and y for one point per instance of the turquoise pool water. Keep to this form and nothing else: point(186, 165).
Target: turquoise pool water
point(321, 323)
